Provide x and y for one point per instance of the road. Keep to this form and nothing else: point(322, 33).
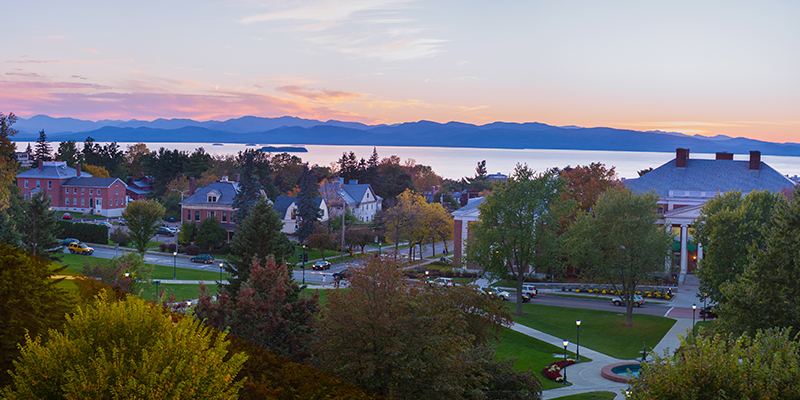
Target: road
point(596, 304)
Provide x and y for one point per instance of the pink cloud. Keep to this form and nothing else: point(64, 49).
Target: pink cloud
point(319, 95)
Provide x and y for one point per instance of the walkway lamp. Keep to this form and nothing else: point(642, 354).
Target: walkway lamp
point(694, 308)
point(578, 352)
point(220, 272)
point(174, 265)
point(304, 263)
point(564, 370)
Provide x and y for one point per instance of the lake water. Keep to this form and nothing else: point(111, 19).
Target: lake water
point(458, 162)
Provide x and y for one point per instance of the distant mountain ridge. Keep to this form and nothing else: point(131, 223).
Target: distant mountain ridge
point(299, 131)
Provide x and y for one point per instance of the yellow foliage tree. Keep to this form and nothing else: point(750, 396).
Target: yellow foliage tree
point(97, 172)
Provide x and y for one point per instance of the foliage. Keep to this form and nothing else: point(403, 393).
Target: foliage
point(134, 158)
point(89, 233)
point(394, 179)
point(553, 371)
point(210, 234)
point(269, 311)
point(321, 240)
point(728, 226)
point(308, 212)
point(172, 205)
point(143, 218)
point(192, 250)
point(124, 273)
point(31, 302)
point(406, 220)
point(619, 242)
point(584, 185)
point(164, 166)
point(517, 226)
point(411, 341)
point(258, 238)
point(766, 295)
point(9, 234)
point(43, 149)
point(249, 190)
point(108, 157)
point(187, 232)
point(68, 152)
point(95, 171)
point(8, 161)
point(120, 236)
point(127, 349)
point(724, 366)
point(38, 227)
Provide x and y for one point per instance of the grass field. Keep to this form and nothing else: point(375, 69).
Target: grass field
point(600, 330)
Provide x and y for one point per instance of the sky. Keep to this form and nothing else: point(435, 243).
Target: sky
point(698, 67)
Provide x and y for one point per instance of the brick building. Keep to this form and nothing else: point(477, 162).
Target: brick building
point(215, 200)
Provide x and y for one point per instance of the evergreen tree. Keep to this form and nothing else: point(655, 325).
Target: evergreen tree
point(68, 151)
point(29, 150)
point(258, 238)
point(43, 149)
point(38, 227)
point(249, 190)
point(8, 161)
point(209, 234)
point(9, 233)
point(308, 212)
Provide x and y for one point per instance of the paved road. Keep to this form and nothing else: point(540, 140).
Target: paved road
point(596, 304)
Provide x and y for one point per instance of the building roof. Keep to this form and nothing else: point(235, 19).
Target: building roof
point(136, 190)
point(52, 170)
point(83, 181)
point(282, 203)
point(710, 176)
point(471, 207)
point(226, 189)
point(351, 193)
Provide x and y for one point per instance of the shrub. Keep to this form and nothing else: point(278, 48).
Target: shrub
point(162, 247)
point(120, 237)
point(192, 250)
point(89, 233)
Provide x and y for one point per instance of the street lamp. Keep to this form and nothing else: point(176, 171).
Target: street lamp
point(578, 352)
point(174, 265)
point(304, 263)
point(566, 342)
point(379, 246)
point(694, 308)
point(220, 272)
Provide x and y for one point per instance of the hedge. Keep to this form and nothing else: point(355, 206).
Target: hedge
point(89, 233)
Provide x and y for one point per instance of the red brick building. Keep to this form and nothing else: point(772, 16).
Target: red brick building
point(215, 200)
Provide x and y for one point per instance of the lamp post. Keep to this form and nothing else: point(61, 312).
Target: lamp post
point(578, 352)
point(379, 246)
point(304, 263)
point(174, 265)
point(157, 283)
point(220, 272)
point(566, 342)
point(694, 308)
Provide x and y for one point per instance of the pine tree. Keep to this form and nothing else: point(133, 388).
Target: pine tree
point(43, 150)
point(68, 151)
point(258, 238)
point(249, 190)
point(38, 226)
point(308, 212)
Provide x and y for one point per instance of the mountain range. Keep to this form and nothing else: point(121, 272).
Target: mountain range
point(299, 131)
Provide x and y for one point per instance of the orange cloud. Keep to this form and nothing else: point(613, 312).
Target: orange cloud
point(333, 96)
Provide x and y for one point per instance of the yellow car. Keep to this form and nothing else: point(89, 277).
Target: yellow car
point(80, 248)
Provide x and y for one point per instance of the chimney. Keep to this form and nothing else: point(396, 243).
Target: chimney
point(78, 169)
point(41, 164)
point(724, 156)
point(681, 155)
point(755, 160)
point(191, 186)
point(236, 177)
point(354, 181)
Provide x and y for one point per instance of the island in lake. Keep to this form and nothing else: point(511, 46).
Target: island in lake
point(284, 149)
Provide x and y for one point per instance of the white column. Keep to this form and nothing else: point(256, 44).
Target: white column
point(699, 252)
point(684, 252)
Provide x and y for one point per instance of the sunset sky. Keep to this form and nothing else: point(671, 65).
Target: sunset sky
point(700, 67)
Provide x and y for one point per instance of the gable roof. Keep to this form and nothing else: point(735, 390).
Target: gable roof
point(282, 204)
point(227, 190)
point(52, 170)
point(470, 209)
point(351, 193)
point(710, 176)
point(92, 182)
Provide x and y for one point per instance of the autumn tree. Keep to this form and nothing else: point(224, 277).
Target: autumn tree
point(126, 273)
point(728, 226)
point(584, 185)
point(516, 231)
point(95, 171)
point(134, 157)
point(127, 349)
point(270, 311)
point(441, 225)
point(618, 242)
point(8, 161)
point(406, 221)
point(143, 218)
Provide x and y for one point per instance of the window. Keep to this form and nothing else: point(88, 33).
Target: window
point(49, 184)
point(26, 183)
point(83, 201)
point(212, 198)
point(188, 215)
point(224, 216)
point(75, 201)
point(197, 215)
point(83, 190)
point(26, 195)
point(98, 192)
point(294, 212)
point(91, 191)
point(74, 190)
point(37, 184)
point(116, 192)
point(211, 214)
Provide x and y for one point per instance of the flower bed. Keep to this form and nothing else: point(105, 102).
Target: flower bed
point(654, 294)
point(553, 371)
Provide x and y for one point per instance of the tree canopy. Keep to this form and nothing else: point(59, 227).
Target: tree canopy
point(143, 218)
point(8, 161)
point(38, 227)
point(308, 213)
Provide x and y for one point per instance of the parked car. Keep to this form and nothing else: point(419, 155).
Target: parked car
point(344, 274)
point(104, 223)
point(164, 230)
point(80, 248)
point(203, 258)
point(638, 301)
point(708, 312)
point(441, 281)
point(499, 293)
point(67, 241)
point(321, 265)
point(121, 222)
point(169, 219)
point(66, 216)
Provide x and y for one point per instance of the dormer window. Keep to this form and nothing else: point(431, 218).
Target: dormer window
point(213, 196)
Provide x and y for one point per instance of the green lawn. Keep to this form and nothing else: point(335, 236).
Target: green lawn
point(181, 292)
point(532, 354)
point(76, 262)
point(590, 396)
point(600, 330)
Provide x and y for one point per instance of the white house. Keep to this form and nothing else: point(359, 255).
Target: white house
point(286, 207)
point(359, 198)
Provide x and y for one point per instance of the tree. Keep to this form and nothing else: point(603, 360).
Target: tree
point(766, 295)
point(143, 218)
point(187, 233)
point(728, 226)
point(210, 234)
point(31, 301)
point(127, 349)
point(441, 224)
point(308, 212)
point(68, 151)
point(43, 149)
point(249, 190)
point(321, 240)
point(618, 242)
point(415, 341)
point(406, 221)
point(765, 365)
point(517, 225)
point(8, 161)
point(38, 227)
point(258, 238)
point(124, 273)
point(584, 185)
point(270, 311)
point(95, 171)
point(134, 158)
point(480, 170)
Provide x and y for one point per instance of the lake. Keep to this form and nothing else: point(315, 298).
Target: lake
point(458, 162)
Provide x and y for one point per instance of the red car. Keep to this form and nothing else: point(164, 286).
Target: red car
point(66, 216)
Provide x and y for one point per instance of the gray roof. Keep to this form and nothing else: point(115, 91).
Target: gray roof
point(282, 204)
point(472, 204)
point(351, 193)
point(227, 191)
point(52, 170)
point(92, 182)
point(135, 190)
point(716, 176)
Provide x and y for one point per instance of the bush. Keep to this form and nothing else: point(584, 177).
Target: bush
point(181, 249)
point(120, 237)
point(89, 233)
point(162, 247)
point(192, 250)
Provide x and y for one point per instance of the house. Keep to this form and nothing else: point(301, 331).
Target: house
point(359, 198)
point(214, 200)
point(463, 217)
point(286, 207)
point(71, 190)
point(140, 189)
point(23, 158)
point(685, 184)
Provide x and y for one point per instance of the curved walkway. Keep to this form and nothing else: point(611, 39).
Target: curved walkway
point(585, 377)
